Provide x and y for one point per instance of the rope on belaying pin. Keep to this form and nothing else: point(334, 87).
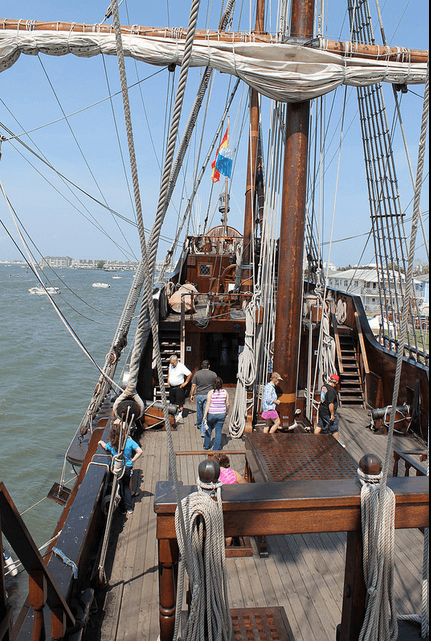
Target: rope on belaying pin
point(246, 372)
point(209, 616)
point(380, 621)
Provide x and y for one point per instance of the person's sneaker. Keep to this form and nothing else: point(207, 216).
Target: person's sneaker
point(179, 416)
point(129, 511)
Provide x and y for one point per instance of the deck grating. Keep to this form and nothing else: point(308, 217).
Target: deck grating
point(303, 574)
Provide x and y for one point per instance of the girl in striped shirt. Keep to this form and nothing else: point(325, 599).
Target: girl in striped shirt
point(216, 410)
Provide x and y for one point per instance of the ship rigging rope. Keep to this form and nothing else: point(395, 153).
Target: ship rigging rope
point(147, 307)
point(118, 466)
point(374, 620)
point(326, 347)
point(209, 608)
point(246, 372)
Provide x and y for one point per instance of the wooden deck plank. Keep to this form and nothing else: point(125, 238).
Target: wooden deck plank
point(325, 600)
point(307, 591)
point(147, 625)
point(139, 538)
point(300, 624)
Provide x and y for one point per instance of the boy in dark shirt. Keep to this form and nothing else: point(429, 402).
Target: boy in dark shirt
point(328, 419)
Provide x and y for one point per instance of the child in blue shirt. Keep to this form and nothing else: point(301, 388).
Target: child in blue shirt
point(131, 452)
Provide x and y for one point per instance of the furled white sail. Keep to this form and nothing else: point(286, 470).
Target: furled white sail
point(282, 71)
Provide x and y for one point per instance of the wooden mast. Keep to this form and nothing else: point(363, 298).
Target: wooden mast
point(250, 191)
point(289, 293)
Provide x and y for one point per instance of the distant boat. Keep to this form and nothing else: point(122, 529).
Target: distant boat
point(38, 290)
point(102, 285)
point(117, 277)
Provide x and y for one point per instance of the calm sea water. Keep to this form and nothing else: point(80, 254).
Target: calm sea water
point(46, 381)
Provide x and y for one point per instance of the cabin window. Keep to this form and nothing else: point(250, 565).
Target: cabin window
point(204, 270)
point(356, 283)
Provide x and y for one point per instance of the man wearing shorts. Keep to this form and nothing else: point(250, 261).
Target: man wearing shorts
point(328, 419)
point(269, 402)
point(178, 378)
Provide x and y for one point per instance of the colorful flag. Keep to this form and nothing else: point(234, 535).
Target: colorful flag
point(224, 162)
point(215, 175)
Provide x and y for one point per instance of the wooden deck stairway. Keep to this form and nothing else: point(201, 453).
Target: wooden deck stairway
point(351, 393)
point(169, 339)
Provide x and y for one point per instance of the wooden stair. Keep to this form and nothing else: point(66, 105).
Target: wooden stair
point(351, 393)
point(169, 340)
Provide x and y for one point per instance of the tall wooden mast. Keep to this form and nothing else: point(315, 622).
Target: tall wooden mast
point(289, 293)
point(250, 192)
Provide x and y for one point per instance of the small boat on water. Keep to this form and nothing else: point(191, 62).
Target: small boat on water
point(102, 285)
point(42, 291)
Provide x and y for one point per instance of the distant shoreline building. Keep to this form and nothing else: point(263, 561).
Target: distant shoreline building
point(65, 262)
point(365, 282)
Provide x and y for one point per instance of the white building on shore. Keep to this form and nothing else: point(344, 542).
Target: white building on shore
point(365, 282)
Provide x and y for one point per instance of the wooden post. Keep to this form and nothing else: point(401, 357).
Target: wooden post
point(354, 593)
point(289, 294)
point(37, 600)
point(168, 563)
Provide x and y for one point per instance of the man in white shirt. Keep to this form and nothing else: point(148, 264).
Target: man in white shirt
point(178, 377)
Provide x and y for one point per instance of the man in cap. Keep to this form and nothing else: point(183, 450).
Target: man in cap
point(328, 419)
point(269, 402)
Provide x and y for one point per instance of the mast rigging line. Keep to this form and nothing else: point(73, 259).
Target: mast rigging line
point(93, 198)
point(147, 308)
point(52, 301)
point(78, 111)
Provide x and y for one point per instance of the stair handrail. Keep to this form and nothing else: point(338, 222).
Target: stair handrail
point(42, 588)
point(336, 337)
point(362, 344)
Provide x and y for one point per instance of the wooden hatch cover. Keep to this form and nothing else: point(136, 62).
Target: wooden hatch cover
point(260, 624)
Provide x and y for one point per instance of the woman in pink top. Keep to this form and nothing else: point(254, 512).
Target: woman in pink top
point(216, 410)
point(227, 475)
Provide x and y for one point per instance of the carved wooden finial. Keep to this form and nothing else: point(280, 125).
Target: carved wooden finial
point(370, 464)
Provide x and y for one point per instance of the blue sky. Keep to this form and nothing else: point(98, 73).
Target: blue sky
point(35, 90)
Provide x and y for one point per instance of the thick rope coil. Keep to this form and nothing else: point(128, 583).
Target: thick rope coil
point(209, 616)
point(380, 621)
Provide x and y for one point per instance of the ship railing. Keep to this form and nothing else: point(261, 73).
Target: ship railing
point(43, 590)
point(214, 245)
point(410, 352)
point(213, 306)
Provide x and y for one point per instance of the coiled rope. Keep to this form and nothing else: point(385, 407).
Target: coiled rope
point(380, 620)
point(209, 616)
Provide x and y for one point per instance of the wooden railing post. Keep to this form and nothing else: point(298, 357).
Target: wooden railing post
point(37, 600)
point(168, 564)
